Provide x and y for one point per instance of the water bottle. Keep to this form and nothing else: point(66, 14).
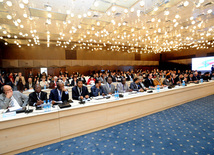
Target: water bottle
point(45, 86)
point(45, 106)
point(201, 80)
point(49, 106)
point(183, 83)
point(158, 88)
point(116, 95)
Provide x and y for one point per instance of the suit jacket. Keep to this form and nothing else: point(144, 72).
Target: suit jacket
point(83, 80)
point(22, 78)
point(72, 83)
point(75, 92)
point(27, 85)
point(19, 97)
point(167, 82)
point(134, 86)
point(33, 97)
point(94, 91)
point(141, 86)
point(147, 83)
point(54, 96)
point(108, 90)
point(121, 88)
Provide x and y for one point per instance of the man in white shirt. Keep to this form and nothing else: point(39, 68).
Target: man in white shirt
point(12, 100)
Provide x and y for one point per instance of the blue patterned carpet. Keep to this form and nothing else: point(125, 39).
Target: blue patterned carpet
point(186, 129)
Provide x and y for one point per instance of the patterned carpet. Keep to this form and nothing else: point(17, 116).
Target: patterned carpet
point(186, 129)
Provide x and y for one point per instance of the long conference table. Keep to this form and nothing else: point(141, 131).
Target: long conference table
point(28, 131)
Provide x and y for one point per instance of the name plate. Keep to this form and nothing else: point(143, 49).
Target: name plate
point(9, 114)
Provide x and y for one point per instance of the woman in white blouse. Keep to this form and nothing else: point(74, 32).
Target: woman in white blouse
point(43, 83)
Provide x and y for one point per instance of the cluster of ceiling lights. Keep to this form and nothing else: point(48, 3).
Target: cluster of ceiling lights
point(129, 42)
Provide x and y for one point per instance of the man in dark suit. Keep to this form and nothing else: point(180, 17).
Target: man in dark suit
point(80, 92)
point(149, 82)
point(59, 93)
point(38, 97)
point(29, 84)
point(134, 85)
point(97, 89)
point(82, 78)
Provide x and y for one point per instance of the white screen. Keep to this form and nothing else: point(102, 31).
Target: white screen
point(44, 70)
point(202, 64)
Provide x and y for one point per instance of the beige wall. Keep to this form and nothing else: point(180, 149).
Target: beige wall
point(58, 53)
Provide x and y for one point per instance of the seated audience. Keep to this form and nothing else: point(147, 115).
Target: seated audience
point(168, 81)
point(37, 97)
point(91, 81)
point(65, 81)
point(12, 100)
point(109, 87)
point(149, 82)
point(123, 87)
point(80, 92)
point(82, 78)
point(43, 82)
point(97, 89)
point(140, 84)
point(134, 85)
point(74, 81)
point(29, 84)
point(59, 93)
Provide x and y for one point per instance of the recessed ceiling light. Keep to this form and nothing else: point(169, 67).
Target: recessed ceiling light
point(186, 3)
point(201, 1)
point(113, 8)
point(96, 4)
point(25, 15)
point(4, 32)
point(89, 13)
point(19, 20)
point(209, 11)
point(142, 3)
point(21, 26)
point(68, 12)
point(49, 15)
point(48, 8)
point(156, 9)
point(21, 5)
point(9, 3)
point(166, 13)
point(72, 15)
point(9, 17)
point(25, 1)
point(132, 10)
point(177, 16)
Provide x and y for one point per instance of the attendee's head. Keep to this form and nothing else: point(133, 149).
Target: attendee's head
point(98, 83)
point(6, 89)
point(79, 83)
point(136, 80)
point(140, 79)
point(29, 80)
point(37, 88)
point(191, 75)
point(150, 76)
point(60, 86)
point(123, 81)
point(43, 79)
point(19, 74)
point(168, 77)
point(109, 80)
point(55, 78)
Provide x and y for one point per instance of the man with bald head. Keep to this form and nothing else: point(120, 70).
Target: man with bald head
point(12, 100)
point(37, 97)
point(59, 93)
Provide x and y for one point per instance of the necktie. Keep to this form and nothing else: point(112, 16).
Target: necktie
point(60, 96)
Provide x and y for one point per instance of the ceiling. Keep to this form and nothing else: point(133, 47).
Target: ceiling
point(140, 26)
